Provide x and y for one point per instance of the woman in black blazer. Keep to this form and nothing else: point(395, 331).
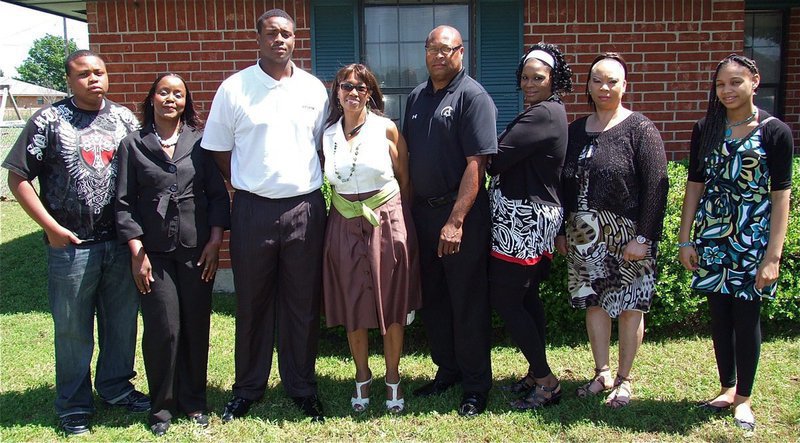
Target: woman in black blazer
point(172, 208)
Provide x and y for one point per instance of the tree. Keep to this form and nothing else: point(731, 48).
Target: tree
point(45, 63)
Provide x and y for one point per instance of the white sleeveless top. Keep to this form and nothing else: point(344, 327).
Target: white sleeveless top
point(373, 163)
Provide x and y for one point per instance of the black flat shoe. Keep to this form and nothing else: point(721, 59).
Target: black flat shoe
point(199, 418)
point(74, 424)
point(435, 387)
point(311, 407)
point(472, 404)
point(708, 407)
point(159, 429)
point(237, 407)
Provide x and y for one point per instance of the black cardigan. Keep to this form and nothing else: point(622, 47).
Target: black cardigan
point(627, 173)
point(530, 154)
point(168, 201)
point(776, 139)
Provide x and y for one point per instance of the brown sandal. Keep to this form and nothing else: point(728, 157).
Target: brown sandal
point(622, 393)
point(586, 389)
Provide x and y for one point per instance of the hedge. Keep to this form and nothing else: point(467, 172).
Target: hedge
point(675, 304)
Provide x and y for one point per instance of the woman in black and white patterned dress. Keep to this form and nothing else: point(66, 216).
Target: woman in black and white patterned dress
point(527, 214)
point(615, 192)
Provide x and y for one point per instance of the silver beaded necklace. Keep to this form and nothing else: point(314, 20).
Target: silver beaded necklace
point(170, 142)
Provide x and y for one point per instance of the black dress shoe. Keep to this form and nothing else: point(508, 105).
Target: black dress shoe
point(472, 404)
point(311, 407)
point(435, 387)
point(75, 424)
point(237, 407)
point(199, 418)
point(159, 429)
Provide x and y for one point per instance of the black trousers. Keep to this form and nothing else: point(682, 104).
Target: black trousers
point(514, 294)
point(276, 256)
point(455, 303)
point(177, 316)
point(736, 332)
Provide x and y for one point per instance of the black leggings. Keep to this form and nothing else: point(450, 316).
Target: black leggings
point(736, 331)
point(514, 294)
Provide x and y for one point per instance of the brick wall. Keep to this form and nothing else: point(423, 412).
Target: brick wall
point(792, 103)
point(671, 48)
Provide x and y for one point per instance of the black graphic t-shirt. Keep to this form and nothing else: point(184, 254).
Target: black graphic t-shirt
point(73, 154)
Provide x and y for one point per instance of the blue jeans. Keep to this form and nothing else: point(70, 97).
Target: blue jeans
point(83, 280)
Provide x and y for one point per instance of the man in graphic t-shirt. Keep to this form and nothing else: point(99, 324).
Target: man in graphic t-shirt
point(71, 148)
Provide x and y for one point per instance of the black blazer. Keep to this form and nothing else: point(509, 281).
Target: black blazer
point(168, 201)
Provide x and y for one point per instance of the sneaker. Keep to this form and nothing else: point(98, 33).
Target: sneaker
point(74, 424)
point(135, 401)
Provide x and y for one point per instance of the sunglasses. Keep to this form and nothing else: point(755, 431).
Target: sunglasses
point(348, 87)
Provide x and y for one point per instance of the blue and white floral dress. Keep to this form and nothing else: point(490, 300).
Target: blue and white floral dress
point(732, 219)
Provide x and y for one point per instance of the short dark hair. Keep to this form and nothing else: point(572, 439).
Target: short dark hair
point(561, 73)
point(78, 54)
point(607, 55)
point(273, 13)
point(189, 116)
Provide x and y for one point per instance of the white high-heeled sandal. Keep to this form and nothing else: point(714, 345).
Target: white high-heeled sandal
point(394, 404)
point(358, 402)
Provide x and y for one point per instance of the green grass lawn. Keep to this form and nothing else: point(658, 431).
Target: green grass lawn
point(671, 375)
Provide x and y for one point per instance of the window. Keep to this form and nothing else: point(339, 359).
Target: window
point(763, 42)
point(394, 39)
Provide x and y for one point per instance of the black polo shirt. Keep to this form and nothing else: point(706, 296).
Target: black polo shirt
point(443, 128)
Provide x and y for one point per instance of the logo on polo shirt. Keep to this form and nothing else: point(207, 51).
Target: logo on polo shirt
point(447, 111)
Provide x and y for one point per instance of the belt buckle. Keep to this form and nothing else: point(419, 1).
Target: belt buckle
point(435, 202)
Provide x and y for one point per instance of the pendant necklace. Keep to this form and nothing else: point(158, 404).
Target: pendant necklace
point(729, 126)
point(352, 166)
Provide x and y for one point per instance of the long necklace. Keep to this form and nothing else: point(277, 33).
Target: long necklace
point(730, 126)
point(352, 166)
point(170, 142)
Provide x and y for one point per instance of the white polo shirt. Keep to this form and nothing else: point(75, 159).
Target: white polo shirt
point(273, 128)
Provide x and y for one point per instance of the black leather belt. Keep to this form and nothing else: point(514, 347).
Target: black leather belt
point(435, 202)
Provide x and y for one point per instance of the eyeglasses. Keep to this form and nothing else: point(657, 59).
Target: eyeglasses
point(446, 51)
point(348, 87)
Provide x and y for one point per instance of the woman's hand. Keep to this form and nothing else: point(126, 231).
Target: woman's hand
point(142, 271)
point(688, 257)
point(767, 273)
point(209, 259)
point(561, 244)
point(634, 251)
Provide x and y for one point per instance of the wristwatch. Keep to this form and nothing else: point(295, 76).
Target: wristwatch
point(642, 240)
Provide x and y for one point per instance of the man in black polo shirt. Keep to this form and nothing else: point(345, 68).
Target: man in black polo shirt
point(450, 129)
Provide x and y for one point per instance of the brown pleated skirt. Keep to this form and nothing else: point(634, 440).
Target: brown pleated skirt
point(370, 275)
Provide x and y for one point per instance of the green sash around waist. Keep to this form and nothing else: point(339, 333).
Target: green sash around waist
point(364, 208)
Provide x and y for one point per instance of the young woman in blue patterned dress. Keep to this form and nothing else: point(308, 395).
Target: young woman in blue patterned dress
point(737, 198)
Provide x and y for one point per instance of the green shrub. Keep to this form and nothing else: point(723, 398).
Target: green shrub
point(676, 305)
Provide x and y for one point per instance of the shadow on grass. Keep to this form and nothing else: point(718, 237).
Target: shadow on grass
point(23, 275)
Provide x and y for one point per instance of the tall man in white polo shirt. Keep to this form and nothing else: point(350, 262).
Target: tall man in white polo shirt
point(264, 127)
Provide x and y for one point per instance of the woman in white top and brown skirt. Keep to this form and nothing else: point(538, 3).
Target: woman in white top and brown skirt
point(370, 260)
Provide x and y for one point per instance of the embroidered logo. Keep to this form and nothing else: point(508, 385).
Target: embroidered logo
point(414, 117)
point(447, 111)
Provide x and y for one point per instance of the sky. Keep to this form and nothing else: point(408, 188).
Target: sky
point(21, 26)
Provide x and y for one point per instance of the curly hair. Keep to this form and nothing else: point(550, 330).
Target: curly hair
point(375, 102)
point(714, 129)
point(189, 116)
point(561, 72)
point(606, 55)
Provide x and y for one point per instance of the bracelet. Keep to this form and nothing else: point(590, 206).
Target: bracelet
point(685, 244)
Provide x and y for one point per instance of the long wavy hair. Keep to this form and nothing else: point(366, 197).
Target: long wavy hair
point(561, 73)
point(713, 132)
point(375, 101)
point(598, 59)
point(189, 116)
